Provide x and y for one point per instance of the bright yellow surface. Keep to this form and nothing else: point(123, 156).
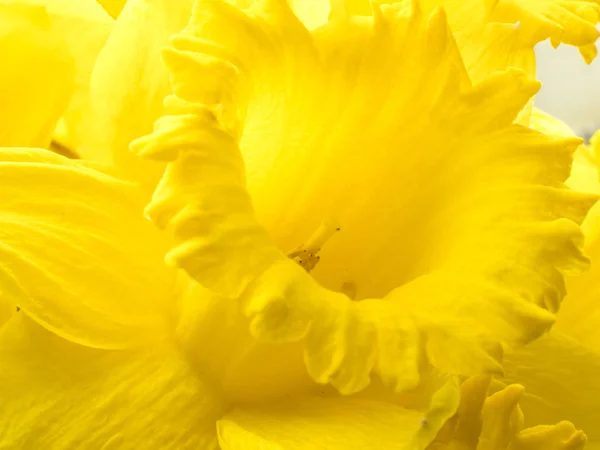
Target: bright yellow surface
point(291, 232)
point(31, 47)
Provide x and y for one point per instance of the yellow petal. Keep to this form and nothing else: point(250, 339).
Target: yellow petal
point(334, 423)
point(494, 47)
point(312, 13)
point(571, 22)
point(37, 75)
point(246, 370)
point(113, 7)
point(550, 125)
point(77, 255)
point(56, 394)
point(562, 436)
point(498, 426)
point(584, 171)
point(581, 313)
point(456, 226)
point(129, 83)
point(560, 376)
point(495, 35)
point(473, 393)
point(486, 47)
point(84, 27)
point(7, 309)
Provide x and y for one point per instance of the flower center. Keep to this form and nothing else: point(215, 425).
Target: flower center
point(307, 254)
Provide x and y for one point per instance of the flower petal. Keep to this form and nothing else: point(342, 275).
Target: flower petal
point(581, 313)
point(480, 222)
point(312, 13)
point(562, 436)
point(486, 47)
point(84, 27)
point(494, 47)
point(56, 394)
point(334, 423)
point(129, 83)
point(561, 381)
point(550, 125)
point(37, 75)
point(494, 35)
point(584, 173)
point(245, 369)
point(113, 7)
point(571, 22)
point(77, 255)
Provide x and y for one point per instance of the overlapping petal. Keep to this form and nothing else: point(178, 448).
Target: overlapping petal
point(488, 420)
point(559, 369)
point(572, 22)
point(497, 34)
point(584, 172)
point(129, 83)
point(37, 76)
point(509, 29)
point(56, 394)
point(77, 255)
point(335, 423)
point(561, 377)
point(246, 370)
point(427, 175)
point(83, 26)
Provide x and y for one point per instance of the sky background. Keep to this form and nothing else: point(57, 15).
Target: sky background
point(570, 88)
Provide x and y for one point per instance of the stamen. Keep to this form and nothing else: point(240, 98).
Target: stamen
point(306, 255)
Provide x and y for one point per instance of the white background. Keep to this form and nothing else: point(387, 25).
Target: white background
point(570, 88)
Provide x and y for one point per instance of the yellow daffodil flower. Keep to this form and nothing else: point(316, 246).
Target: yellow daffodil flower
point(233, 247)
point(348, 221)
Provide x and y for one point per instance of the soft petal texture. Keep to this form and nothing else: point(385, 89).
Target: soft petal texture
point(58, 395)
point(246, 370)
point(485, 46)
point(550, 125)
point(84, 27)
point(334, 423)
point(129, 83)
point(584, 170)
point(78, 257)
point(492, 191)
point(561, 380)
point(560, 370)
point(37, 76)
point(312, 13)
point(581, 312)
point(561, 436)
point(580, 315)
point(487, 420)
point(496, 34)
point(7, 309)
point(570, 22)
